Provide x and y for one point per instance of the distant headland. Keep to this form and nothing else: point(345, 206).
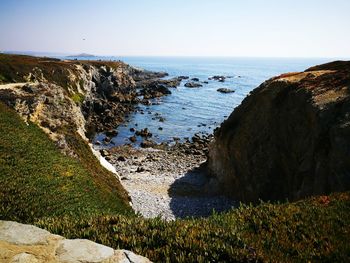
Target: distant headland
point(81, 55)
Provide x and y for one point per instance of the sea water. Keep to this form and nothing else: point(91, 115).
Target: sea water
point(188, 111)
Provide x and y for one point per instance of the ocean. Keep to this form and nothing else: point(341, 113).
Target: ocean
point(188, 111)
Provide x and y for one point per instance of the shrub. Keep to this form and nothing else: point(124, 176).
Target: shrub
point(309, 230)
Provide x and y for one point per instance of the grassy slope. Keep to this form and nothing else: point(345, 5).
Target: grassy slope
point(13, 68)
point(37, 180)
point(79, 199)
point(315, 230)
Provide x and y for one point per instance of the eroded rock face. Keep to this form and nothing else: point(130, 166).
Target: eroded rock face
point(289, 138)
point(29, 244)
point(63, 96)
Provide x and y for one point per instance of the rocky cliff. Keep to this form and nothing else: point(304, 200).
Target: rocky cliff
point(68, 100)
point(289, 138)
point(63, 96)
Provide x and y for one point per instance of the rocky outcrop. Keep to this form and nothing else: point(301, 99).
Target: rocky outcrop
point(225, 90)
point(21, 243)
point(289, 138)
point(48, 106)
point(192, 84)
point(75, 96)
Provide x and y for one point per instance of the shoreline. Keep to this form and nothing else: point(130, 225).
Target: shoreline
point(166, 182)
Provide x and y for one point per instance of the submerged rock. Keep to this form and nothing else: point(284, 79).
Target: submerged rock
point(289, 139)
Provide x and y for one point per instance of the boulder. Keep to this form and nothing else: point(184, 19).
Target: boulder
point(148, 144)
point(133, 138)
point(24, 258)
point(111, 133)
point(219, 78)
point(290, 138)
point(104, 153)
point(144, 133)
point(154, 91)
point(29, 244)
point(20, 234)
point(193, 85)
point(82, 250)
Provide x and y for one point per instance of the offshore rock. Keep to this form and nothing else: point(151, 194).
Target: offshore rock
point(225, 90)
point(193, 85)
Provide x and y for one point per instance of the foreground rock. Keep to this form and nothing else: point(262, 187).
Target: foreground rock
point(289, 139)
point(29, 244)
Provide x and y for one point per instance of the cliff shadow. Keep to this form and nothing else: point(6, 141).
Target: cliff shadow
point(190, 196)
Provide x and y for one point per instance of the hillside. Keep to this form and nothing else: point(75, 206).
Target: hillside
point(37, 180)
point(49, 176)
point(313, 230)
point(288, 139)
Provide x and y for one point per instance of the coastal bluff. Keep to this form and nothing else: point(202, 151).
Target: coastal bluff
point(20, 243)
point(290, 138)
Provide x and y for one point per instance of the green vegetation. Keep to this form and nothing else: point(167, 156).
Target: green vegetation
point(80, 199)
point(38, 180)
point(2, 79)
point(77, 198)
point(315, 230)
point(78, 98)
point(16, 68)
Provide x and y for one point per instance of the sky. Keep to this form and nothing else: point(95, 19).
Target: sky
point(244, 28)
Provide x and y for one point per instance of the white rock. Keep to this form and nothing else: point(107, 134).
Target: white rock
point(46, 247)
point(124, 256)
point(24, 258)
point(133, 258)
point(82, 250)
point(20, 234)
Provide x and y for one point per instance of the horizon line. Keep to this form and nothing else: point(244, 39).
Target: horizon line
point(66, 54)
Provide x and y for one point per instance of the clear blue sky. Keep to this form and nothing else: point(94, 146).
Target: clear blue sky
point(264, 28)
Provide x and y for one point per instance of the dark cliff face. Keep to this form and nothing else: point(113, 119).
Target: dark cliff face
point(289, 139)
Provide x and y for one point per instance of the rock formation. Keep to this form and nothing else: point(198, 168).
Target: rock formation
point(225, 90)
point(75, 96)
point(21, 243)
point(290, 138)
point(192, 85)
